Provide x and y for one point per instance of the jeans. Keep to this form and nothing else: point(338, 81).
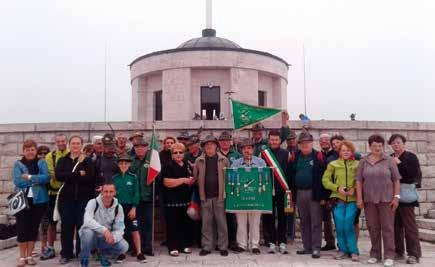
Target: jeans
point(90, 240)
point(71, 214)
point(344, 216)
point(145, 220)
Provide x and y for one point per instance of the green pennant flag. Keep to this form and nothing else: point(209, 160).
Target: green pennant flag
point(245, 115)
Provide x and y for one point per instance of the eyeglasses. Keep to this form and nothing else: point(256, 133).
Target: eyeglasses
point(177, 152)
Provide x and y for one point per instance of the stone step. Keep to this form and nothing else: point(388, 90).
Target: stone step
point(424, 223)
point(431, 214)
point(427, 235)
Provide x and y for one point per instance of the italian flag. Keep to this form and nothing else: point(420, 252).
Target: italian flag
point(271, 161)
point(153, 160)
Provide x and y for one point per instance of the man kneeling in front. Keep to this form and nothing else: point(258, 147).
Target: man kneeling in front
point(103, 228)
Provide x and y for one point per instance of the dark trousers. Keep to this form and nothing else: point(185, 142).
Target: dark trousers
point(144, 214)
point(328, 234)
point(380, 223)
point(405, 229)
point(177, 228)
point(276, 235)
point(28, 221)
point(71, 214)
point(311, 220)
point(232, 228)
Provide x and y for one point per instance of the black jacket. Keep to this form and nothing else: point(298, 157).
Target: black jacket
point(105, 168)
point(76, 187)
point(282, 157)
point(319, 192)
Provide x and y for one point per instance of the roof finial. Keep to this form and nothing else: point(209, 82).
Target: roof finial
point(208, 14)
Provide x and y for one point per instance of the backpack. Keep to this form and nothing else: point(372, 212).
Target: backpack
point(116, 212)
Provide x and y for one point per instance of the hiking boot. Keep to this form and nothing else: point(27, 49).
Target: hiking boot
point(328, 247)
point(120, 258)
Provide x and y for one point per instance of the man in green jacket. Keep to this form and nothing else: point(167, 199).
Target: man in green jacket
point(53, 188)
point(139, 167)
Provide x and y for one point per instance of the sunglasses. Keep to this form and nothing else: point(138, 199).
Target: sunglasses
point(43, 153)
point(177, 152)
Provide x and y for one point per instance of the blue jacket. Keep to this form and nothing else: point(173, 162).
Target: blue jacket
point(37, 182)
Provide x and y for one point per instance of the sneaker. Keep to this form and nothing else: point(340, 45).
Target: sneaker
point(187, 251)
point(272, 248)
point(105, 262)
point(120, 258)
point(388, 263)
point(283, 248)
point(340, 256)
point(141, 258)
point(84, 263)
point(372, 261)
point(48, 254)
point(224, 253)
point(355, 257)
point(256, 251)
point(316, 254)
point(412, 260)
point(328, 247)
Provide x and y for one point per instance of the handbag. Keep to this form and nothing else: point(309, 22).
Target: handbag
point(408, 193)
point(18, 201)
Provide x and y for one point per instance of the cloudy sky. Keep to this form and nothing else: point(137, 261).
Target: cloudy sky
point(373, 57)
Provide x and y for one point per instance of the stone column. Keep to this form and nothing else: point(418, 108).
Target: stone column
point(177, 95)
point(244, 82)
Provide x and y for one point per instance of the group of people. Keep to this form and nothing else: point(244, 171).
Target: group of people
point(100, 195)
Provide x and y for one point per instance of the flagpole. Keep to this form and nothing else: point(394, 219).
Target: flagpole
point(154, 196)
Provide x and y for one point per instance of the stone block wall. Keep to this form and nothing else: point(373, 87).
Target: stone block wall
point(421, 140)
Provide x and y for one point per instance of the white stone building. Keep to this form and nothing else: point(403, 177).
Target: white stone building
point(196, 77)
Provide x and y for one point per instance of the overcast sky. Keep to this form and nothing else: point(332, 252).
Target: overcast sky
point(373, 57)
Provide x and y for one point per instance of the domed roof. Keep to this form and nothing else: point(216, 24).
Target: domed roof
point(208, 40)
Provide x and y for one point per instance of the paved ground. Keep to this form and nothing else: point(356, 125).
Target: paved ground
point(8, 259)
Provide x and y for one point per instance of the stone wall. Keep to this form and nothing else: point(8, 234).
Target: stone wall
point(421, 140)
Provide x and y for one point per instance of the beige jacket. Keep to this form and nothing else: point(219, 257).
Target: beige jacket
point(199, 174)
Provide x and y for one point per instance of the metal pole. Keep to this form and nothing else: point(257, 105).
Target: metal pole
point(105, 81)
point(305, 87)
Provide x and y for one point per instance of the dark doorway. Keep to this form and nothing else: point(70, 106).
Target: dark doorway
point(210, 100)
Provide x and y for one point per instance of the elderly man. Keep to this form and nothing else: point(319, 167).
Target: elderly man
point(121, 144)
point(209, 170)
point(251, 218)
point(134, 138)
point(106, 164)
point(103, 228)
point(225, 149)
point(305, 171)
point(97, 140)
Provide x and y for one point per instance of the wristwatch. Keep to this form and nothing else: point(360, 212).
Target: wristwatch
point(30, 176)
point(397, 196)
